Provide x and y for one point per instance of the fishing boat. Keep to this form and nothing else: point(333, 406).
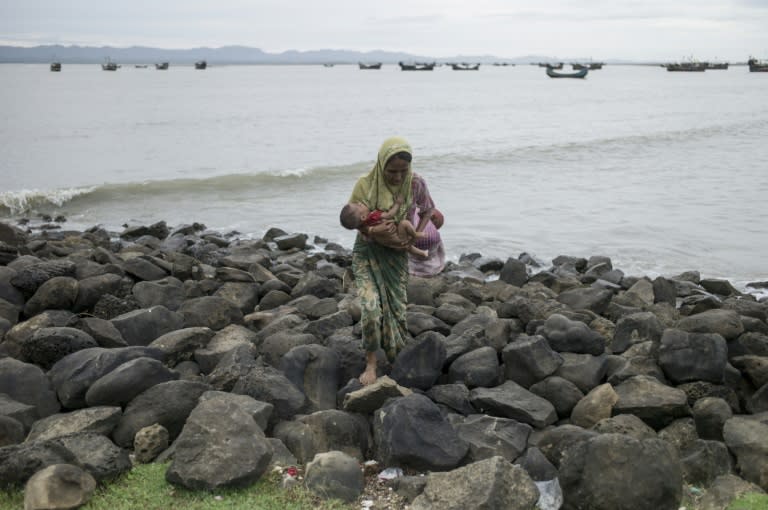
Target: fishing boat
point(550, 65)
point(162, 66)
point(717, 65)
point(691, 67)
point(376, 65)
point(141, 66)
point(578, 74)
point(108, 65)
point(55, 67)
point(327, 65)
point(757, 66)
point(418, 66)
point(465, 67)
point(202, 64)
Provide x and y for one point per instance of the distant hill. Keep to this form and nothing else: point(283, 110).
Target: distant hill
point(226, 55)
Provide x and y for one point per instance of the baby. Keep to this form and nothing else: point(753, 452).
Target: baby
point(378, 225)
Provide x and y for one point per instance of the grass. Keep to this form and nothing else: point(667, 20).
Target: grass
point(751, 501)
point(145, 488)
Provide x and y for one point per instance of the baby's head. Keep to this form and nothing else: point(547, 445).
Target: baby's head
point(352, 215)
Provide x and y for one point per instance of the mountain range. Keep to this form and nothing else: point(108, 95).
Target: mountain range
point(232, 55)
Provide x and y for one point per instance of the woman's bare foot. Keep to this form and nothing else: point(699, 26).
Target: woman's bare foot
point(369, 375)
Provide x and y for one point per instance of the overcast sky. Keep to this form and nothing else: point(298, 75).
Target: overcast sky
point(601, 29)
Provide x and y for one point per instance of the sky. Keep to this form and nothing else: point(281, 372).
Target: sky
point(599, 29)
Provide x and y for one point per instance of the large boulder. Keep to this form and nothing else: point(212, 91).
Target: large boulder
point(28, 384)
point(566, 335)
point(270, 385)
point(74, 374)
point(656, 404)
point(687, 357)
point(58, 293)
point(420, 363)
point(19, 462)
point(220, 446)
point(726, 323)
point(614, 471)
point(411, 432)
point(211, 312)
point(99, 420)
point(46, 346)
point(487, 484)
point(143, 326)
point(335, 475)
point(121, 385)
point(746, 439)
point(529, 359)
point(510, 400)
point(314, 369)
point(58, 486)
point(168, 404)
point(489, 436)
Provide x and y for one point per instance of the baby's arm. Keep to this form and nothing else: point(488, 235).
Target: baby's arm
point(393, 210)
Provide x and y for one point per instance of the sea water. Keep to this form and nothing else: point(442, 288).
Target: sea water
point(662, 172)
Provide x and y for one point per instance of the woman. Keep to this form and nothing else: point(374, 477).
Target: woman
point(381, 273)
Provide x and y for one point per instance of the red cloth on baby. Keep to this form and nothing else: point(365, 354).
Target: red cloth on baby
point(373, 218)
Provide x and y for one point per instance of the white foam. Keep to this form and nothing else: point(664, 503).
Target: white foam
point(26, 199)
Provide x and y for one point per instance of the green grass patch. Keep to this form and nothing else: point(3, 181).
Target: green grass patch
point(145, 488)
point(750, 501)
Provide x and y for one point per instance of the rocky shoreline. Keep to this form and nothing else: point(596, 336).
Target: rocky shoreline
point(229, 357)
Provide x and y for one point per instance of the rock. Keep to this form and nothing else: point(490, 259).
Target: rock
point(125, 382)
point(99, 420)
point(28, 384)
point(314, 369)
point(453, 396)
point(168, 404)
point(74, 374)
point(47, 346)
point(596, 300)
point(19, 462)
point(704, 461)
point(369, 398)
point(627, 424)
point(142, 327)
point(335, 475)
point(477, 368)
point(144, 268)
point(634, 329)
point(410, 432)
point(490, 483)
point(654, 403)
point(710, 415)
point(489, 436)
point(514, 272)
point(168, 292)
point(510, 400)
point(686, 357)
point(529, 359)
point(583, 370)
point(259, 411)
point(420, 363)
point(28, 279)
point(150, 442)
point(96, 454)
point(561, 393)
point(210, 311)
point(565, 335)
point(723, 322)
point(182, 344)
point(104, 332)
point(325, 431)
point(745, 439)
point(595, 406)
point(612, 471)
point(58, 293)
point(11, 431)
point(219, 446)
point(270, 385)
point(419, 323)
point(25, 414)
point(58, 486)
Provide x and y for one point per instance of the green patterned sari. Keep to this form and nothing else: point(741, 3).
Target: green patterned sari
point(381, 276)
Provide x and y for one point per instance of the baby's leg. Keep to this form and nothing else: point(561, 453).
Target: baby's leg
point(422, 254)
point(406, 230)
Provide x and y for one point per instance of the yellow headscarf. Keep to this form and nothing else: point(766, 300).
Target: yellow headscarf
point(372, 190)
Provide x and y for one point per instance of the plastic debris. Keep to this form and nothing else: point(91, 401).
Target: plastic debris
point(550, 495)
point(390, 473)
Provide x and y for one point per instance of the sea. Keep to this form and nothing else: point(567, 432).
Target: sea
point(662, 172)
